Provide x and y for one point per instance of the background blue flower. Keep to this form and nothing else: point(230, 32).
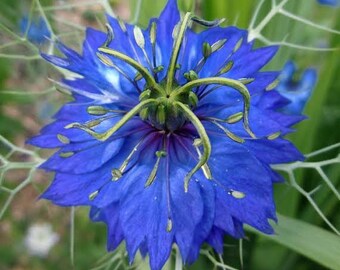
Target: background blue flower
point(36, 29)
point(334, 3)
point(297, 91)
point(134, 179)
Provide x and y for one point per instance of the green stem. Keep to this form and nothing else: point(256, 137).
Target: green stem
point(204, 138)
point(142, 70)
point(104, 136)
point(237, 85)
point(175, 52)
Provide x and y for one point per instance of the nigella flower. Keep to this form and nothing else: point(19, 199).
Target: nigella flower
point(297, 92)
point(170, 136)
point(36, 30)
point(334, 3)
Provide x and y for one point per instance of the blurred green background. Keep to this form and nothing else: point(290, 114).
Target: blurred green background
point(28, 100)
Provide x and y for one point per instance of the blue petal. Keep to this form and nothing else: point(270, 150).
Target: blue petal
point(242, 173)
point(110, 216)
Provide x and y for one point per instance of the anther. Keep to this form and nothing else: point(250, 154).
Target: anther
point(66, 154)
point(238, 45)
point(104, 59)
point(158, 69)
point(122, 25)
point(207, 50)
point(274, 136)
point(116, 174)
point(93, 195)
point(236, 194)
point(145, 95)
point(97, 110)
point(218, 45)
point(246, 80)
point(191, 75)
point(63, 139)
point(229, 133)
point(273, 85)
point(153, 30)
point(138, 77)
point(139, 37)
point(169, 225)
point(232, 119)
point(152, 176)
point(226, 68)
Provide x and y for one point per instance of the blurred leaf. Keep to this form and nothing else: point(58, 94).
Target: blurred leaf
point(311, 241)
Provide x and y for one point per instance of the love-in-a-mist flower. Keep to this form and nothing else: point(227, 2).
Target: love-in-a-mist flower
point(334, 3)
point(35, 29)
point(170, 136)
point(297, 92)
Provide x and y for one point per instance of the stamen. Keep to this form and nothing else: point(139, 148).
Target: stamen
point(116, 174)
point(66, 154)
point(63, 139)
point(93, 195)
point(107, 61)
point(90, 124)
point(236, 194)
point(142, 70)
point(140, 40)
point(97, 110)
point(145, 95)
point(274, 136)
point(229, 133)
point(238, 45)
point(153, 32)
point(129, 157)
point(225, 68)
point(246, 81)
point(218, 45)
point(204, 139)
point(169, 225)
point(232, 119)
point(191, 75)
point(139, 37)
point(207, 51)
point(273, 85)
point(152, 176)
point(100, 110)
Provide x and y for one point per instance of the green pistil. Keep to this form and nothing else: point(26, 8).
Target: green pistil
point(237, 85)
point(204, 139)
point(175, 52)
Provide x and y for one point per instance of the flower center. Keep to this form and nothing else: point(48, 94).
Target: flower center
point(165, 114)
point(167, 105)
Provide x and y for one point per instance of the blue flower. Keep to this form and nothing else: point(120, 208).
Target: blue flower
point(334, 3)
point(170, 136)
point(296, 92)
point(36, 30)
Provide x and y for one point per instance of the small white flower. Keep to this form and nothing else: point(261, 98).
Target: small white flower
point(40, 238)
